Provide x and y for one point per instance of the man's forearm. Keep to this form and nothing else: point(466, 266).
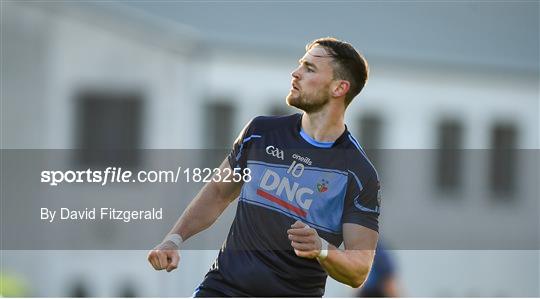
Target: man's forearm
point(202, 212)
point(350, 267)
point(206, 207)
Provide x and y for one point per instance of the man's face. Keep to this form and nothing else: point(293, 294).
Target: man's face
point(310, 90)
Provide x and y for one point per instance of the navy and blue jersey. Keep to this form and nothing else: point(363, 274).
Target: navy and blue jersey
point(293, 177)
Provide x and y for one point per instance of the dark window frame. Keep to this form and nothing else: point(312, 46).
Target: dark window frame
point(503, 159)
point(109, 128)
point(449, 165)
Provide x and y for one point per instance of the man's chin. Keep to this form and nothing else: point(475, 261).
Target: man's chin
point(294, 104)
point(291, 100)
point(297, 102)
point(297, 106)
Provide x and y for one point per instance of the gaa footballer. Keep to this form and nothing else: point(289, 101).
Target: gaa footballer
point(312, 189)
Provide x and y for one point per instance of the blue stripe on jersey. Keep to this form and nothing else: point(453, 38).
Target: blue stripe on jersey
point(306, 167)
point(270, 207)
point(355, 200)
point(357, 181)
point(364, 209)
point(316, 196)
point(242, 145)
point(315, 142)
point(357, 144)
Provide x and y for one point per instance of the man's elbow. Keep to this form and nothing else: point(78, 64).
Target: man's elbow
point(361, 266)
point(357, 282)
point(359, 278)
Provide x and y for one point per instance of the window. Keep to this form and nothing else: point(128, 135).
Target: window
point(109, 128)
point(218, 131)
point(449, 155)
point(503, 159)
point(127, 290)
point(370, 138)
point(78, 290)
point(219, 123)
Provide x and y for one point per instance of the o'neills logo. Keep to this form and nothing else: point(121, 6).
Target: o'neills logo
point(276, 152)
point(305, 160)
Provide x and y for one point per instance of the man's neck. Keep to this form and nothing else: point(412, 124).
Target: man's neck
point(323, 126)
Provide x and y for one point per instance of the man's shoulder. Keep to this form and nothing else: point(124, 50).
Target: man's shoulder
point(357, 159)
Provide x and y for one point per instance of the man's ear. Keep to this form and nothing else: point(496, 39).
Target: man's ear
point(340, 88)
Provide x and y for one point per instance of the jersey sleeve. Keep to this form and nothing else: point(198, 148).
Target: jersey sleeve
point(362, 201)
point(238, 154)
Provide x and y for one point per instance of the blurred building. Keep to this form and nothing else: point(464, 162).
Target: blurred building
point(83, 76)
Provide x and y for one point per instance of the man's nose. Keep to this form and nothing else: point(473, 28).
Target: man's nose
point(296, 73)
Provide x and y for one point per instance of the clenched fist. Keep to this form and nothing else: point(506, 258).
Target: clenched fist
point(164, 256)
point(305, 240)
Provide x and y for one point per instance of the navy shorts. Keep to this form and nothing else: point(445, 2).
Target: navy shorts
point(214, 285)
point(203, 292)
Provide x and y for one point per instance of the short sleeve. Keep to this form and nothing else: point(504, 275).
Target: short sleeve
point(362, 201)
point(238, 154)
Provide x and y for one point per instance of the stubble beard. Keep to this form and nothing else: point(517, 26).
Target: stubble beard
point(300, 101)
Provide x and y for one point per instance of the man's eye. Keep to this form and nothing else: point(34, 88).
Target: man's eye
point(310, 70)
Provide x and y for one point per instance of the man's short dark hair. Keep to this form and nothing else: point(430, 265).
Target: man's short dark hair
point(348, 64)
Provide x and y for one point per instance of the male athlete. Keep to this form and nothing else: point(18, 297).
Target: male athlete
point(312, 188)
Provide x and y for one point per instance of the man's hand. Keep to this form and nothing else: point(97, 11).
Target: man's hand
point(164, 256)
point(305, 240)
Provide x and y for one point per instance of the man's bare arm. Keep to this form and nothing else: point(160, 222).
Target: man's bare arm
point(202, 212)
point(207, 206)
point(350, 266)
